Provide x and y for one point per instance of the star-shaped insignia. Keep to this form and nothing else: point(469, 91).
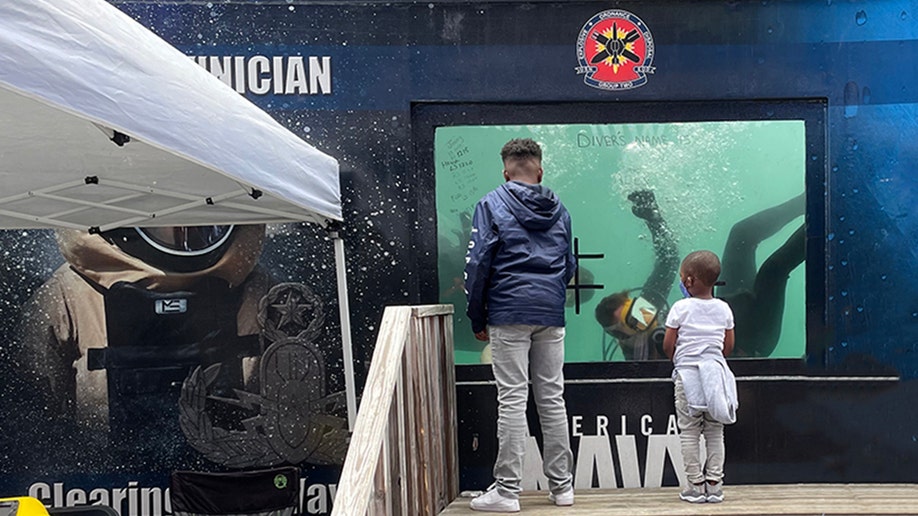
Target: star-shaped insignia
point(292, 310)
point(614, 45)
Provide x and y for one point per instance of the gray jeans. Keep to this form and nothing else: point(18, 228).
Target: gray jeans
point(691, 428)
point(517, 350)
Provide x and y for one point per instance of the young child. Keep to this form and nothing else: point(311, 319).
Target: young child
point(699, 334)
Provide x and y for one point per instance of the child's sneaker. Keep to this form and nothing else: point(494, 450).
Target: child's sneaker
point(562, 499)
point(714, 492)
point(694, 493)
point(493, 501)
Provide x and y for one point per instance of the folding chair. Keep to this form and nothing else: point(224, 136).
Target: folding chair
point(265, 492)
point(28, 506)
point(22, 506)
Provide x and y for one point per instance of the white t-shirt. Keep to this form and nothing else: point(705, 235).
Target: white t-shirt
point(701, 324)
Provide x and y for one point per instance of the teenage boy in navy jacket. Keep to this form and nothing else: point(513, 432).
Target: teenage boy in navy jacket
point(517, 269)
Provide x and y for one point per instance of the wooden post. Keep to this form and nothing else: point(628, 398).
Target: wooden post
point(403, 455)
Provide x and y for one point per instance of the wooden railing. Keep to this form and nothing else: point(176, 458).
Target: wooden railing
point(403, 455)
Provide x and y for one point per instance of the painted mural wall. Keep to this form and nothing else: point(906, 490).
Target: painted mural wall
point(713, 111)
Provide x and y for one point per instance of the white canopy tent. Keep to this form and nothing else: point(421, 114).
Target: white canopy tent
point(105, 125)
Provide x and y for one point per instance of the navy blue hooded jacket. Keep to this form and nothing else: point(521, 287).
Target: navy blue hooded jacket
point(519, 259)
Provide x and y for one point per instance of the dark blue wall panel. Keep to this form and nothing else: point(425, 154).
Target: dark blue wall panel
point(861, 57)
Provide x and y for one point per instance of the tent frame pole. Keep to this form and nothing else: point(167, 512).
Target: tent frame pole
point(345, 315)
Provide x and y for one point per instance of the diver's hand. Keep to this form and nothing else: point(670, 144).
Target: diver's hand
point(645, 205)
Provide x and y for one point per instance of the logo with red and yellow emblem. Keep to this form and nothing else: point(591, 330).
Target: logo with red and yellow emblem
point(615, 50)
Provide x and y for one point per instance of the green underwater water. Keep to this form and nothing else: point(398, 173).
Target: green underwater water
point(706, 176)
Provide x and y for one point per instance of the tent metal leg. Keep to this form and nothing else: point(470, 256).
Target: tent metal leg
point(345, 315)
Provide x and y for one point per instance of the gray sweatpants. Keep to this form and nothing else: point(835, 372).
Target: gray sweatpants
point(691, 428)
point(517, 350)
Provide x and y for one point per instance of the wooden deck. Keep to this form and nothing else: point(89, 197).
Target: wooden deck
point(797, 499)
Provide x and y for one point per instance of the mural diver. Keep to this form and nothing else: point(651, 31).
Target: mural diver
point(148, 341)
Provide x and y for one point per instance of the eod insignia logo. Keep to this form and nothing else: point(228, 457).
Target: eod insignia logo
point(615, 50)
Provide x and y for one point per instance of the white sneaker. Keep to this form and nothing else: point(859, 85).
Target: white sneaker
point(562, 499)
point(493, 501)
point(693, 493)
point(714, 493)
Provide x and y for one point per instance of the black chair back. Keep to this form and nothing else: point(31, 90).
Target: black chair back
point(266, 492)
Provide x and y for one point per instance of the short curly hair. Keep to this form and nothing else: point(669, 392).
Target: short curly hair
point(521, 148)
point(703, 265)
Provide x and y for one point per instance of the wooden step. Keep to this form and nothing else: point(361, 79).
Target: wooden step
point(797, 499)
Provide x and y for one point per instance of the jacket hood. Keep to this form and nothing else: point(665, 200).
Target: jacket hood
point(534, 206)
point(95, 258)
